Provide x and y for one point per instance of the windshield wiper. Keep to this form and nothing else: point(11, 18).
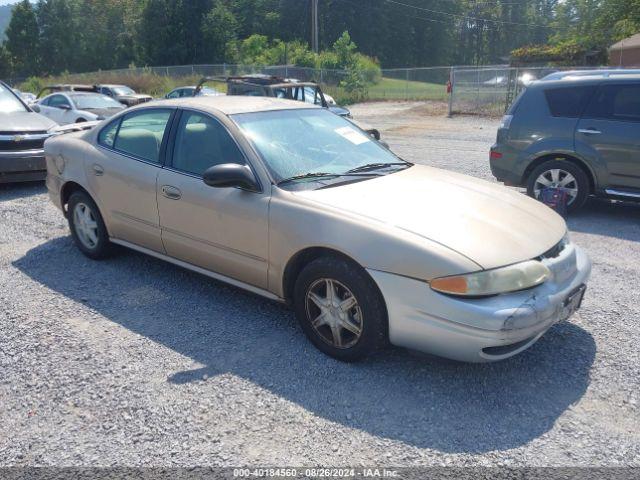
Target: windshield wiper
point(377, 166)
point(325, 175)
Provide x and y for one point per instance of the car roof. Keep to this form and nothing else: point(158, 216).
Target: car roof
point(568, 81)
point(232, 104)
point(599, 73)
point(83, 94)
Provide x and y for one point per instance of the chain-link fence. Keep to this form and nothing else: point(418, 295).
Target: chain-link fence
point(490, 90)
point(484, 90)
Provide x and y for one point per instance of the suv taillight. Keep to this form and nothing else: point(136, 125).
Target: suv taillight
point(506, 121)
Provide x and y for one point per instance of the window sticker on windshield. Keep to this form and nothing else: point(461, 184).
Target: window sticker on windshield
point(352, 135)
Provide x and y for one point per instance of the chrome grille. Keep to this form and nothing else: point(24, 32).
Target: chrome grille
point(22, 141)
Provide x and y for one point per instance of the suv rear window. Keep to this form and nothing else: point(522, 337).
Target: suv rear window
point(568, 101)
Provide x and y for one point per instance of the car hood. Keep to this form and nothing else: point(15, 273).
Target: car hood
point(24, 122)
point(487, 223)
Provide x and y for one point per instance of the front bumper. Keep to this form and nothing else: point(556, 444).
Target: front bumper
point(479, 330)
point(24, 166)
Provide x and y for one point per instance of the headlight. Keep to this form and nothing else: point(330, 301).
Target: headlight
point(492, 282)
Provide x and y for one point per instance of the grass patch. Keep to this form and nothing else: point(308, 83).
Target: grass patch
point(396, 89)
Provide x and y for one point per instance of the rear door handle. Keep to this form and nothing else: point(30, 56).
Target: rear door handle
point(97, 169)
point(589, 131)
point(171, 192)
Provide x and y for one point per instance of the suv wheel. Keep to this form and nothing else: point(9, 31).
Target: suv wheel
point(340, 309)
point(87, 227)
point(560, 174)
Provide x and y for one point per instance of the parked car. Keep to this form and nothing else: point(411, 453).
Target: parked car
point(296, 204)
point(74, 107)
point(22, 136)
point(66, 87)
point(123, 94)
point(28, 97)
point(577, 133)
point(501, 80)
point(291, 89)
point(181, 92)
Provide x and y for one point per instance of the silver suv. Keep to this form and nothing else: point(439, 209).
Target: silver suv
point(22, 136)
point(579, 133)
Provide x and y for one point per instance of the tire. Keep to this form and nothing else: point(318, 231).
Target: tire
point(368, 316)
point(82, 207)
point(580, 182)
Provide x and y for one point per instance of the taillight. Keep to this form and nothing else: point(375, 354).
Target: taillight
point(495, 155)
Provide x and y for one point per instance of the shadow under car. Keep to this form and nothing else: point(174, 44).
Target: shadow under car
point(421, 400)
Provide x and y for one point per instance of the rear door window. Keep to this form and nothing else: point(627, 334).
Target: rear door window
point(141, 134)
point(615, 102)
point(107, 135)
point(568, 102)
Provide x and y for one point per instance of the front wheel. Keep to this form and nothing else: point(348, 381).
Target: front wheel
point(87, 227)
point(560, 174)
point(340, 309)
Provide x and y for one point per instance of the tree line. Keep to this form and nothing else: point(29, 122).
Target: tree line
point(54, 36)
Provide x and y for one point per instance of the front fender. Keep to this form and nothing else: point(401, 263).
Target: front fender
point(296, 224)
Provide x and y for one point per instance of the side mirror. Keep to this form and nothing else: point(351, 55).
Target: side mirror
point(35, 107)
point(231, 175)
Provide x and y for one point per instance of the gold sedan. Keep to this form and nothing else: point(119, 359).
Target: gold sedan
point(294, 203)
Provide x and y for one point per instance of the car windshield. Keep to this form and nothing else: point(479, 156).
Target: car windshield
point(84, 102)
point(299, 142)
point(9, 103)
point(123, 91)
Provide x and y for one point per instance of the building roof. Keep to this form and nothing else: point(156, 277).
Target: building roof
point(630, 42)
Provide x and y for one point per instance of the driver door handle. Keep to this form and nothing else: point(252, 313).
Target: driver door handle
point(171, 192)
point(589, 131)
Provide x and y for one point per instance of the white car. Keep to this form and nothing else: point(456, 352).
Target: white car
point(182, 92)
point(75, 107)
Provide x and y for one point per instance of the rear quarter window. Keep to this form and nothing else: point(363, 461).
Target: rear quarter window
point(568, 102)
point(107, 135)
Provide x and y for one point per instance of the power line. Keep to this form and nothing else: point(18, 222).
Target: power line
point(434, 20)
point(466, 17)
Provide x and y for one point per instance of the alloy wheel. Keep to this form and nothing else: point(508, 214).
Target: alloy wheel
point(85, 225)
point(557, 178)
point(334, 313)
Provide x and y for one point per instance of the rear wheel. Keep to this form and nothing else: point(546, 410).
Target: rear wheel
point(560, 174)
point(340, 309)
point(87, 227)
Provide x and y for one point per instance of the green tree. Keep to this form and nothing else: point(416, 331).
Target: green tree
point(23, 40)
point(219, 27)
point(58, 36)
point(5, 62)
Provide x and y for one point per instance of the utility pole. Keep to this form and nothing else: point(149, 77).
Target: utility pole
point(314, 25)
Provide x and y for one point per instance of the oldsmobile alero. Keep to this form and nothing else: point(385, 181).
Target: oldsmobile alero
point(294, 203)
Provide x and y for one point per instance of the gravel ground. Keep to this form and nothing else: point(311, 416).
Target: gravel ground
point(134, 362)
